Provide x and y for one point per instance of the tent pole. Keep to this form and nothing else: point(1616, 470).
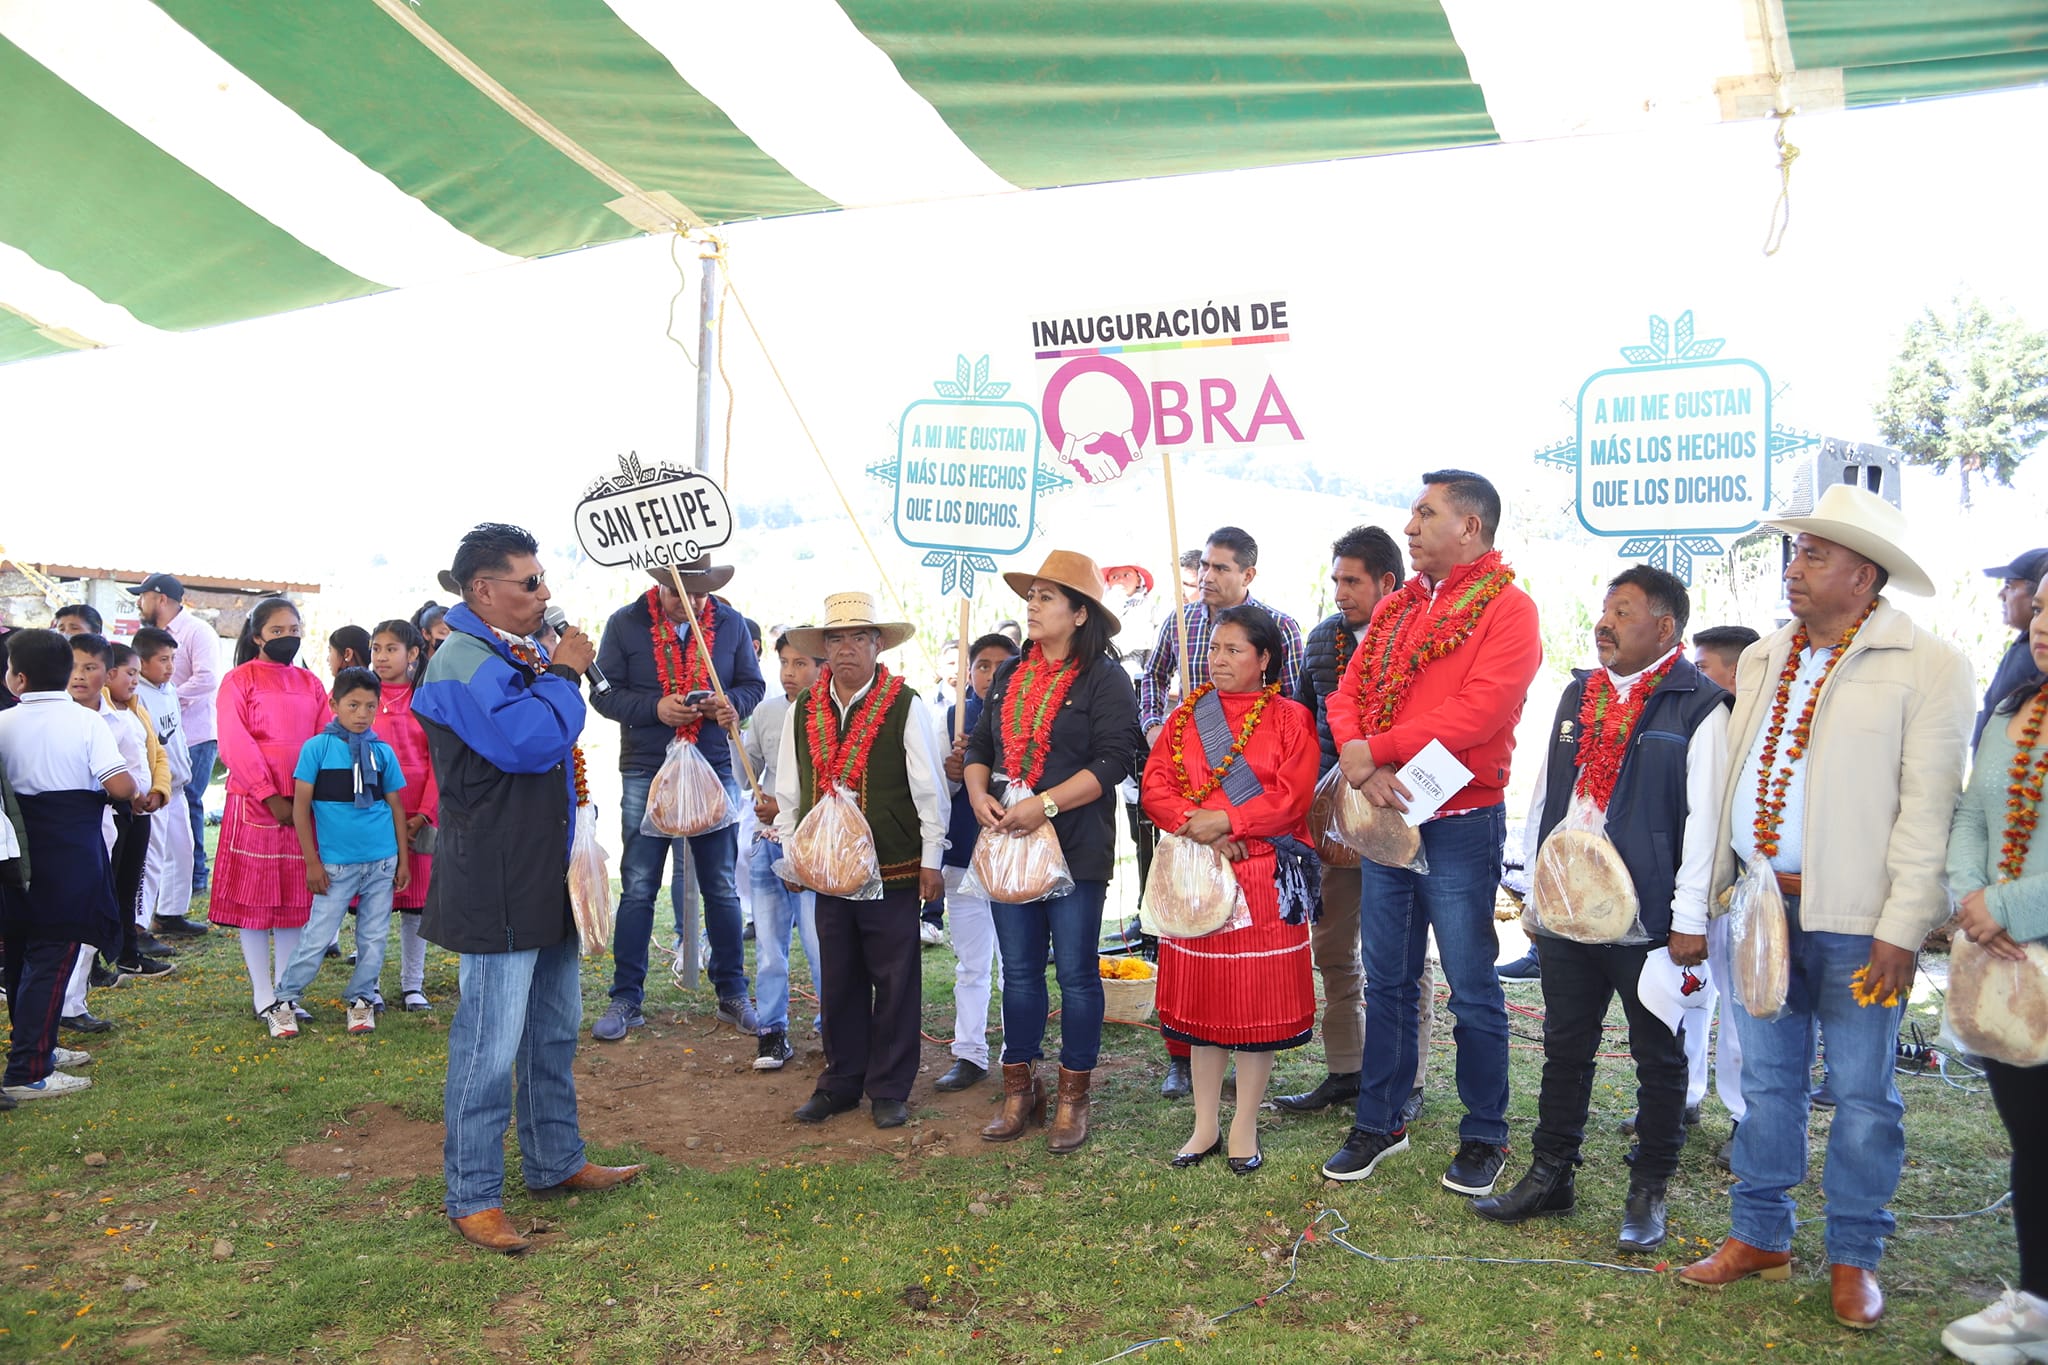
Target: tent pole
point(707, 317)
point(689, 966)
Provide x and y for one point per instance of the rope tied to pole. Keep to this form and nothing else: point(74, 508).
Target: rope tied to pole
point(1781, 210)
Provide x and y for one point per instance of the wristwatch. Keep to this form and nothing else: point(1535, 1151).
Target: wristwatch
point(1052, 807)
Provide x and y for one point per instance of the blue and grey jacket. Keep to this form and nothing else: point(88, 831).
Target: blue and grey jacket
point(501, 734)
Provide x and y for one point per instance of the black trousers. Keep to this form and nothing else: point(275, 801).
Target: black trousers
point(131, 856)
point(871, 989)
point(2021, 1094)
point(1580, 980)
point(36, 972)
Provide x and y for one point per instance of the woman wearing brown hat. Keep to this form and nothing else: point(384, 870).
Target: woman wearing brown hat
point(1062, 720)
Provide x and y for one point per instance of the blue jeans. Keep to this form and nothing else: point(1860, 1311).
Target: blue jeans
point(345, 882)
point(1073, 925)
point(777, 911)
point(1397, 909)
point(716, 857)
point(1867, 1143)
point(202, 756)
point(517, 1019)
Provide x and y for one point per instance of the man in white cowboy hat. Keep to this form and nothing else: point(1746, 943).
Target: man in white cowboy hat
point(1846, 755)
point(862, 731)
point(661, 692)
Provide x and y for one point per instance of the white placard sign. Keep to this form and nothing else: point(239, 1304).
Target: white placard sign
point(1434, 776)
point(652, 517)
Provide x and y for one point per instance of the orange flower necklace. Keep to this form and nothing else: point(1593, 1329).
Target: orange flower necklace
point(1177, 734)
point(1402, 640)
point(2023, 792)
point(842, 760)
point(1606, 721)
point(1771, 787)
point(681, 671)
point(1036, 691)
point(582, 774)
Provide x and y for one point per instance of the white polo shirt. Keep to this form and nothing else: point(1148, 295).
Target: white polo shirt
point(50, 743)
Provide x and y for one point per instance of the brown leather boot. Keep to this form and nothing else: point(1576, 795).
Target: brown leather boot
point(492, 1231)
point(1070, 1121)
point(1023, 1104)
point(1735, 1260)
point(1856, 1297)
point(591, 1177)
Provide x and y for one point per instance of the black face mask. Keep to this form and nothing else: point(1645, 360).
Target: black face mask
point(281, 650)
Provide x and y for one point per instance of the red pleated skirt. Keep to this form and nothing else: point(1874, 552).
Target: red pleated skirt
point(1253, 988)
point(259, 874)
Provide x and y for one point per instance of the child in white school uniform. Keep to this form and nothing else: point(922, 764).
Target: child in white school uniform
point(91, 664)
point(167, 875)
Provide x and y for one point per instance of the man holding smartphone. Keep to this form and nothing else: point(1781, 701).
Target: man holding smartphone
point(661, 691)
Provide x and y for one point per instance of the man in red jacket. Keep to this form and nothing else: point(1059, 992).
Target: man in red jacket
point(1448, 657)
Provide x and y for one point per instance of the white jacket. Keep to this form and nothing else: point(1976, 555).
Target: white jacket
point(1883, 774)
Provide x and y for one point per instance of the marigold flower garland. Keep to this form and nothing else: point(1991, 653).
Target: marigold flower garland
point(582, 775)
point(1605, 723)
point(680, 670)
point(1771, 787)
point(843, 761)
point(1177, 728)
point(1401, 628)
point(2023, 792)
point(1037, 690)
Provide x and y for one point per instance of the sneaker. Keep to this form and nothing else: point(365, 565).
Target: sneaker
point(1523, 968)
point(177, 926)
point(362, 1015)
point(613, 1023)
point(70, 1057)
point(773, 1050)
point(739, 1012)
point(154, 946)
point(333, 950)
point(278, 1015)
point(416, 1002)
point(300, 1012)
point(1361, 1153)
point(1475, 1168)
point(2014, 1328)
point(146, 967)
point(102, 976)
point(747, 934)
point(50, 1086)
point(929, 934)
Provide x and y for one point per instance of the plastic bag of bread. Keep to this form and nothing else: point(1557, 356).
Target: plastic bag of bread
point(1322, 815)
point(1380, 833)
point(1759, 950)
point(1016, 869)
point(1998, 1008)
point(1580, 889)
point(1192, 891)
point(687, 796)
point(590, 884)
point(833, 851)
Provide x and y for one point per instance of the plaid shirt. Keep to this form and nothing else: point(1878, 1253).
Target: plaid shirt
point(1157, 681)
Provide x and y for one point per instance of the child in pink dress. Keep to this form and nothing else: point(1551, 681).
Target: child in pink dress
point(398, 656)
point(267, 709)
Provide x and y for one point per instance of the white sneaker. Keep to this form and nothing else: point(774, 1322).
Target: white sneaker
point(362, 1016)
point(929, 934)
point(2013, 1330)
point(282, 1021)
point(72, 1057)
point(54, 1084)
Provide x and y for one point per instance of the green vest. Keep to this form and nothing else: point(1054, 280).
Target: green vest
point(884, 794)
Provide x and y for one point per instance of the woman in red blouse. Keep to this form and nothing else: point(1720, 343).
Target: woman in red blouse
point(1236, 770)
point(398, 656)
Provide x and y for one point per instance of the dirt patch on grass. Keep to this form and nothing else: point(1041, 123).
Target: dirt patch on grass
point(378, 1142)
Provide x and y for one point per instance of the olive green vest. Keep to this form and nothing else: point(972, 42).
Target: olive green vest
point(884, 794)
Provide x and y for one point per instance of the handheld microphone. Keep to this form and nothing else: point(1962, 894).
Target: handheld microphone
point(558, 621)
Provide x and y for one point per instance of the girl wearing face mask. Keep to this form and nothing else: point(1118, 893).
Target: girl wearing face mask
point(268, 708)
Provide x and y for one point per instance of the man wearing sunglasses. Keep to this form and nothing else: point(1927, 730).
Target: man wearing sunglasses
point(502, 718)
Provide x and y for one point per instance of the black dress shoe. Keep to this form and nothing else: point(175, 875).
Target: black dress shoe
point(1182, 1160)
point(960, 1075)
point(1642, 1218)
point(1180, 1080)
point(890, 1113)
point(821, 1106)
point(1412, 1110)
point(1336, 1088)
point(1245, 1165)
point(87, 1022)
point(1545, 1189)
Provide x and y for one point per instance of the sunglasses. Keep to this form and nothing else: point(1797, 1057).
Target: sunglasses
point(531, 582)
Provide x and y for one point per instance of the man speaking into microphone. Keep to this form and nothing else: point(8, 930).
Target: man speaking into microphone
point(502, 718)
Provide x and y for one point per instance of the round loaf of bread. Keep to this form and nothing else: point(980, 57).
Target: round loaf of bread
point(832, 850)
point(1996, 1008)
point(1322, 816)
point(1017, 869)
point(1378, 832)
point(1581, 890)
point(1192, 890)
point(687, 798)
point(1759, 947)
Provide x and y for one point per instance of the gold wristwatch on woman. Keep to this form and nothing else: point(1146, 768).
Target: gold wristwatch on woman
point(1052, 807)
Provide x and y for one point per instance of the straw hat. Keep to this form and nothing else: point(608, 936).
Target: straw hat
point(1074, 571)
point(1867, 524)
point(699, 575)
point(848, 611)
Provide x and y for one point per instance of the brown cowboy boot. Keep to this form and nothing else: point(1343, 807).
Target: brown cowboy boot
point(1070, 1121)
point(1023, 1104)
point(492, 1230)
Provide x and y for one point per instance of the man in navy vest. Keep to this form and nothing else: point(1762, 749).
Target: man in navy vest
point(1639, 746)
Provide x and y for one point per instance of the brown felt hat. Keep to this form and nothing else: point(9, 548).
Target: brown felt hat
point(699, 575)
point(1071, 570)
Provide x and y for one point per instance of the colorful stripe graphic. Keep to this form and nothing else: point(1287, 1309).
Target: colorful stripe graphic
point(1190, 344)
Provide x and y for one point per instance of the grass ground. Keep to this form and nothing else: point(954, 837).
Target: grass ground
point(172, 1214)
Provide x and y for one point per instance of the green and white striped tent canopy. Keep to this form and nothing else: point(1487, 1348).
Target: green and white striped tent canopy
point(173, 164)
